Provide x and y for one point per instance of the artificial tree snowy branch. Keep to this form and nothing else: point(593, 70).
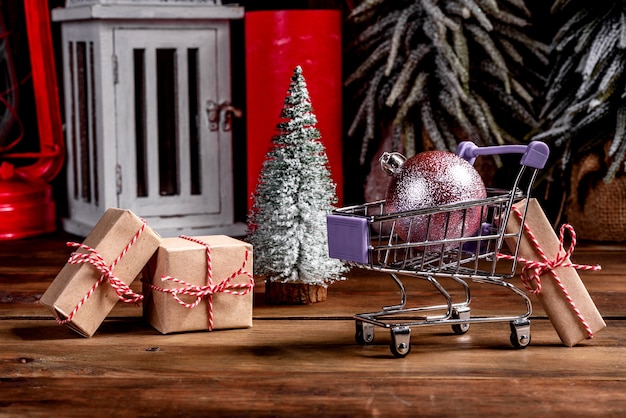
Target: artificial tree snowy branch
point(287, 222)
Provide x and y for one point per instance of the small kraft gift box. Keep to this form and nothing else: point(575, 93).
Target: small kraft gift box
point(98, 274)
point(199, 283)
point(552, 277)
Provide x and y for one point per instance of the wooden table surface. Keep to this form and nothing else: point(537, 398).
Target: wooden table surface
point(303, 360)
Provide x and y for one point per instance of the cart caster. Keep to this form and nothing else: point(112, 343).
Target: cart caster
point(400, 341)
point(364, 333)
point(461, 313)
point(520, 333)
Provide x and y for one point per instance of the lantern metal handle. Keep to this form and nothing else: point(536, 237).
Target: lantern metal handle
point(221, 113)
point(227, 111)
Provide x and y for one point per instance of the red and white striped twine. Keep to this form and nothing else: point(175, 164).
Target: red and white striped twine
point(123, 291)
point(533, 270)
point(210, 289)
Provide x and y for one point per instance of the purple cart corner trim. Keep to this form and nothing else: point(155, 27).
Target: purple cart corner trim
point(348, 238)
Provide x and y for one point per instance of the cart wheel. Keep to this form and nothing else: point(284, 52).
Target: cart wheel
point(460, 329)
point(400, 341)
point(364, 333)
point(520, 333)
point(461, 313)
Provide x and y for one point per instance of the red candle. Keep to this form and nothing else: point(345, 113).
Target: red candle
point(276, 42)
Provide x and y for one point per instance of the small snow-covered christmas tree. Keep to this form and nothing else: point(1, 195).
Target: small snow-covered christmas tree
point(287, 222)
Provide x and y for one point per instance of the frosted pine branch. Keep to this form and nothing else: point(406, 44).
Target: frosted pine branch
point(397, 41)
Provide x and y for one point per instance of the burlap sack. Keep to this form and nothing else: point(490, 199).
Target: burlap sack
point(597, 210)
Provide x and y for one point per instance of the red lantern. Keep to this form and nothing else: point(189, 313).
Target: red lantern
point(26, 204)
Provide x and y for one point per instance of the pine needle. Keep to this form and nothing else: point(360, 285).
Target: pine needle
point(522, 92)
point(378, 55)
point(622, 29)
point(620, 131)
point(478, 13)
point(511, 19)
point(571, 26)
point(489, 47)
point(559, 6)
point(363, 9)
point(600, 47)
point(490, 120)
point(408, 130)
point(407, 71)
point(396, 37)
point(461, 52)
point(445, 73)
point(451, 104)
point(477, 115)
point(437, 15)
point(430, 126)
point(617, 164)
point(511, 51)
point(519, 5)
point(450, 137)
point(415, 94)
point(460, 69)
point(491, 6)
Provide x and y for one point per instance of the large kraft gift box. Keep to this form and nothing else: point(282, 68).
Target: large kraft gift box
point(199, 283)
point(81, 296)
point(561, 313)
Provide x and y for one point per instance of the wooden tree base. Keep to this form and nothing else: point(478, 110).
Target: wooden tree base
point(279, 293)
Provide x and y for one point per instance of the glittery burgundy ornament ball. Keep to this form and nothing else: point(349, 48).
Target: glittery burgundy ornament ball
point(430, 179)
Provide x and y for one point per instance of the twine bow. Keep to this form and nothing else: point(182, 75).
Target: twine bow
point(92, 257)
point(532, 270)
point(209, 290)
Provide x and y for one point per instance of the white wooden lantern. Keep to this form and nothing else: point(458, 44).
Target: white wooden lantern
point(147, 87)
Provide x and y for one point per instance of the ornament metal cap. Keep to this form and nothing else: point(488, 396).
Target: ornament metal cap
point(391, 162)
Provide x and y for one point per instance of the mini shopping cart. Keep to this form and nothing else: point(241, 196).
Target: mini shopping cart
point(366, 236)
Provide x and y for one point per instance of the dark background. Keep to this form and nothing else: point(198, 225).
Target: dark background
point(354, 174)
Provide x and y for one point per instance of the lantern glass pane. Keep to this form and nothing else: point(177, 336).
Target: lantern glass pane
point(194, 120)
point(139, 65)
point(167, 121)
point(83, 118)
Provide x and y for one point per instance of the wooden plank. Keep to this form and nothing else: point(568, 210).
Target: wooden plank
point(358, 294)
point(304, 368)
point(128, 345)
point(303, 360)
point(278, 394)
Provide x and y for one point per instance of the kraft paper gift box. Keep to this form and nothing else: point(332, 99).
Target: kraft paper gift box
point(82, 295)
point(561, 313)
point(199, 283)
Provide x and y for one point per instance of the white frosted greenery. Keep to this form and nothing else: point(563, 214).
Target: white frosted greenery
point(287, 222)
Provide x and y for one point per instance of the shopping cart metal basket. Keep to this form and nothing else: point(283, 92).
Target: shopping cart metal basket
point(367, 236)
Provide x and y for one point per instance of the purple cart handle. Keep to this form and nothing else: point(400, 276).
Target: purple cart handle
point(535, 153)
